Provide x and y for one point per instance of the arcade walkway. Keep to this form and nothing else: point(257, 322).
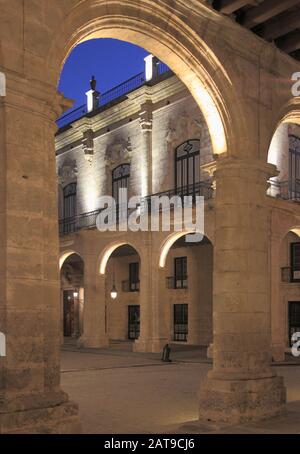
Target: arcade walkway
point(123, 392)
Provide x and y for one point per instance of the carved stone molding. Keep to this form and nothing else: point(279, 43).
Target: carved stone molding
point(88, 145)
point(146, 118)
point(184, 127)
point(118, 152)
point(67, 173)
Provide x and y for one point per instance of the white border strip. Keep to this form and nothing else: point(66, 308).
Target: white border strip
point(2, 84)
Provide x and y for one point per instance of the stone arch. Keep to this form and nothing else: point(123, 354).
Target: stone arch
point(289, 114)
point(169, 242)
point(65, 255)
point(108, 251)
point(161, 31)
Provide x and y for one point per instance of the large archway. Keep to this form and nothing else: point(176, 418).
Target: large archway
point(120, 265)
point(176, 33)
point(162, 33)
point(187, 290)
point(72, 295)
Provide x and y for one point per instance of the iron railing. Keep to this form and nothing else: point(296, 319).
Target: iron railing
point(113, 95)
point(173, 284)
point(290, 275)
point(285, 190)
point(130, 287)
point(202, 188)
point(88, 220)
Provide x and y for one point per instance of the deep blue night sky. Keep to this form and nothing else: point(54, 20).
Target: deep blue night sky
point(111, 61)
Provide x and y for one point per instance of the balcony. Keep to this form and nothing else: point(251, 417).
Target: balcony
point(290, 275)
point(285, 190)
point(115, 95)
point(88, 220)
point(130, 287)
point(174, 283)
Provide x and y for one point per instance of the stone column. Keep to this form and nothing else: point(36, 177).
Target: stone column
point(153, 334)
point(94, 313)
point(31, 400)
point(242, 386)
point(200, 284)
point(278, 316)
point(146, 122)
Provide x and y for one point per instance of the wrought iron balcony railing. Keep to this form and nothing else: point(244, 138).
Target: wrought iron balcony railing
point(88, 220)
point(130, 287)
point(173, 283)
point(285, 190)
point(202, 189)
point(290, 275)
point(114, 94)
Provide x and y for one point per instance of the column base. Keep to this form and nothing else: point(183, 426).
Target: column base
point(210, 351)
point(93, 342)
point(48, 414)
point(278, 353)
point(149, 345)
point(240, 400)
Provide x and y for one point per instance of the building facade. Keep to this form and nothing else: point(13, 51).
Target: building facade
point(153, 140)
point(243, 86)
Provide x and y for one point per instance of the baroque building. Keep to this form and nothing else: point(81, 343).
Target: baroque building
point(230, 114)
point(151, 139)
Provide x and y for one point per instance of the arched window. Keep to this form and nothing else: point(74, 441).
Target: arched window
point(294, 166)
point(69, 209)
point(120, 180)
point(187, 167)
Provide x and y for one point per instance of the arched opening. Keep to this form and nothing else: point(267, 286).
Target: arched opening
point(287, 318)
point(284, 153)
point(188, 272)
point(121, 265)
point(72, 296)
point(187, 55)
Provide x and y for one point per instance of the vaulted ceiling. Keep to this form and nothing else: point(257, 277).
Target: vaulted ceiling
point(276, 21)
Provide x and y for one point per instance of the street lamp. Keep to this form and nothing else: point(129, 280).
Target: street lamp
point(113, 292)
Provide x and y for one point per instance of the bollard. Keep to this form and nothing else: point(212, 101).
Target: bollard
point(166, 354)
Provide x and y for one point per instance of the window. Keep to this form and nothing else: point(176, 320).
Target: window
point(294, 318)
point(187, 167)
point(120, 180)
point(133, 322)
point(180, 322)
point(295, 262)
point(294, 166)
point(70, 200)
point(180, 272)
point(69, 208)
point(134, 278)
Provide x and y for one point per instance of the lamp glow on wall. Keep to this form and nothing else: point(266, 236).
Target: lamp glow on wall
point(113, 292)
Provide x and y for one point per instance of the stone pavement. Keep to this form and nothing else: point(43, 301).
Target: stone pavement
point(123, 392)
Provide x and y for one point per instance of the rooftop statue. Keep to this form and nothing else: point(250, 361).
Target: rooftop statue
point(93, 83)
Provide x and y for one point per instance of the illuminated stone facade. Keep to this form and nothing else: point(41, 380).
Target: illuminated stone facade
point(241, 85)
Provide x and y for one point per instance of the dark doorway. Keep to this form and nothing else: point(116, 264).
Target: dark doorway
point(69, 313)
point(180, 322)
point(133, 322)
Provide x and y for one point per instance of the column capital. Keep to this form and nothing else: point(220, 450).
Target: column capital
point(146, 117)
point(35, 96)
point(233, 166)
